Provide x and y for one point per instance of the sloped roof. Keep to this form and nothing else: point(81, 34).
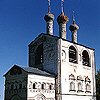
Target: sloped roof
point(56, 37)
point(36, 71)
point(31, 70)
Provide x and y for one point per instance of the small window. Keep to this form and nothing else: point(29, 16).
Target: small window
point(20, 86)
point(16, 87)
point(12, 87)
point(39, 55)
point(79, 86)
point(42, 86)
point(72, 54)
point(88, 88)
point(34, 85)
point(72, 86)
point(50, 87)
point(85, 58)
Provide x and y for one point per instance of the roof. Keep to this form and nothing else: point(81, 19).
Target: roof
point(31, 70)
point(36, 71)
point(56, 37)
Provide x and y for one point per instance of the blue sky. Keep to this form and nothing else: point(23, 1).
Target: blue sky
point(22, 20)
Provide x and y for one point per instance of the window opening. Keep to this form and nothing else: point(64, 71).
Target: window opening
point(72, 54)
point(42, 86)
point(12, 87)
point(85, 58)
point(20, 86)
point(79, 86)
point(16, 87)
point(39, 55)
point(72, 86)
point(88, 88)
point(50, 87)
point(34, 85)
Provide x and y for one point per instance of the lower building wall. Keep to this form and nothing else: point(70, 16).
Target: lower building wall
point(40, 87)
point(75, 97)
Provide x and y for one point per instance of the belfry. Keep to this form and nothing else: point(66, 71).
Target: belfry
point(58, 68)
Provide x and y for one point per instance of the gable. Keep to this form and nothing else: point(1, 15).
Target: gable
point(15, 71)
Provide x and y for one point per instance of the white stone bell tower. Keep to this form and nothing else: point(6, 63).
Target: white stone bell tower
point(76, 71)
point(59, 69)
point(76, 65)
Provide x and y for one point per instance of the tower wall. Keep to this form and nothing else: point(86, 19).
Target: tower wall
point(77, 70)
point(50, 53)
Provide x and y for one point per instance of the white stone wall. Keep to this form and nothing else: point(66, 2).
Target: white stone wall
point(48, 92)
point(76, 97)
point(76, 69)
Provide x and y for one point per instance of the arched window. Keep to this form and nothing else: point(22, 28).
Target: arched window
point(12, 87)
point(30, 85)
point(43, 85)
point(34, 85)
point(20, 86)
point(85, 58)
point(72, 82)
point(72, 54)
point(7, 86)
point(51, 86)
point(39, 55)
point(16, 86)
point(88, 88)
point(72, 86)
point(79, 86)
